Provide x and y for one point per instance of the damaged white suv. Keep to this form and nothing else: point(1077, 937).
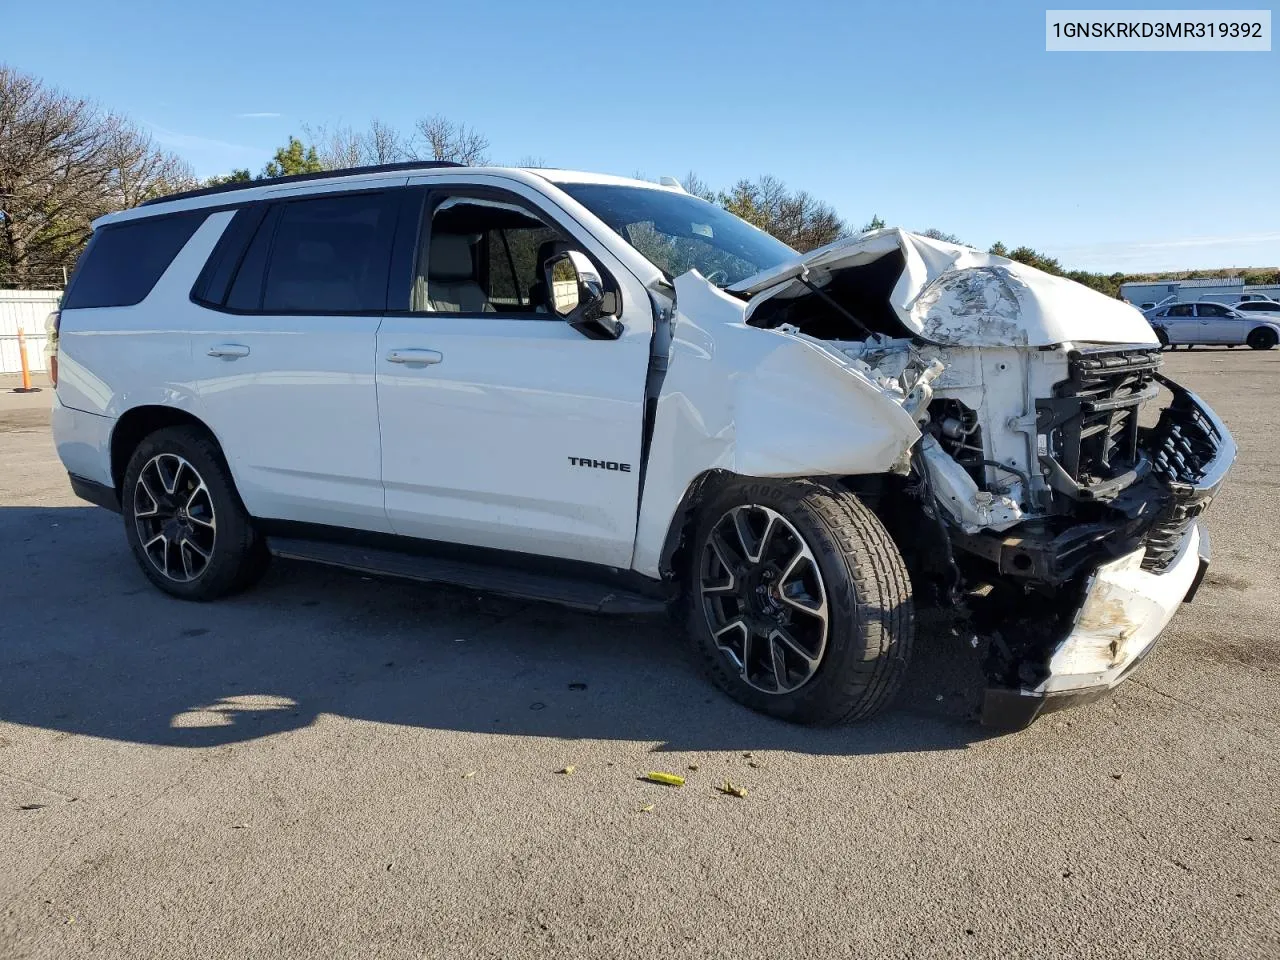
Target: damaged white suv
point(612, 395)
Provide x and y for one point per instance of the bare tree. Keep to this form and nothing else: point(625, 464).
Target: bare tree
point(439, 138)
point(64, 162)
point(337, 147)
point(383, 143)
point(342, 146)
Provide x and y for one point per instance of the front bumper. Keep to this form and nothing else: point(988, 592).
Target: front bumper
point(1127, 601)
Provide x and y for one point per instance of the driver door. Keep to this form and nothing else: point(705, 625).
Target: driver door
point(502, 426)
point(1218, 325)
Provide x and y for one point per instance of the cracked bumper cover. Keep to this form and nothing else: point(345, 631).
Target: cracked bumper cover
point(1124, 611)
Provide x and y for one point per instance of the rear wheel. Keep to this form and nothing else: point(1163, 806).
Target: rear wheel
point(184, 520)
point(798, 601)
point(1263, 338)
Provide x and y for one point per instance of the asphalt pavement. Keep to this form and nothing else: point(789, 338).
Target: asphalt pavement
point(335, 766)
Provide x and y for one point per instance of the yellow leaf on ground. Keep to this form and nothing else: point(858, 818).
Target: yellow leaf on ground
point(664, 778)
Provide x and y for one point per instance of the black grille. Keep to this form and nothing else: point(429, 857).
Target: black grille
point(1092, 420)
point(1181, 446)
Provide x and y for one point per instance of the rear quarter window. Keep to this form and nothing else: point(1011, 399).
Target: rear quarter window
point(124, 260)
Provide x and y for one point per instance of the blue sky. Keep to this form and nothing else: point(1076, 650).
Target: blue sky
point(945, 114)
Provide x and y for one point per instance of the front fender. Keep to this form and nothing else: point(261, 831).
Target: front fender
point(757, 403)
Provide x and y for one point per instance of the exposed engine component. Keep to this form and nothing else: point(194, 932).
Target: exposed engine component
point(955, 490)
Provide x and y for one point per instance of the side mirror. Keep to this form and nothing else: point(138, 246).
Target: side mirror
point(577, 295)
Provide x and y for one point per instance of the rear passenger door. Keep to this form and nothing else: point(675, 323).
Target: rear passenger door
point(1180, 324)
point(294, 294)
point(502, 426)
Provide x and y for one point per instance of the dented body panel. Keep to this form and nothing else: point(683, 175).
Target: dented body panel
point(1008, 402)
point(758, 403)
point(1125, 609)
point(953, 295)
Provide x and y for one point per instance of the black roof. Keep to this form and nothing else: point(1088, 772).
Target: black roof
point(302, 177)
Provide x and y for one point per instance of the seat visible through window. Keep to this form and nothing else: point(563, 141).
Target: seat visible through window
point(481, 255)
point(451, 277)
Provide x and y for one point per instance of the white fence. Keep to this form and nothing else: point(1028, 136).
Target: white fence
point(26, 310)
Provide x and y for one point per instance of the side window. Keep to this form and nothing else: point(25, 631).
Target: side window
point(1212, 310)
point(482, 255)
point(330, 255)
point(123, 261)
point(319, 254)
point(1180, 310)
point(215, 279)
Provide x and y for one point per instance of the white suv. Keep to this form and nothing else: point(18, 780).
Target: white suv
point(610, 394)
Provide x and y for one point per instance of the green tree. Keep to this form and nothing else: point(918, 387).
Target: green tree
point(999, 249)
point(293, 158)
point(235, 176)
point(1034, 258)
point(934, 233)
point(875, 223)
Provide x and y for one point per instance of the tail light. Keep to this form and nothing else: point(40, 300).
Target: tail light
point(51, 326)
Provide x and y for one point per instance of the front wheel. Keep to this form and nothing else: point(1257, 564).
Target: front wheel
point(798, 601)
point(1263, 338)
point(184, 520)
point(1163, 337)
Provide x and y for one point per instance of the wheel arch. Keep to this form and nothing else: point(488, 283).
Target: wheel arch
point(876, 490)
point(138, 423)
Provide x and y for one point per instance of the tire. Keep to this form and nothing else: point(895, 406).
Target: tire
point(184, 520)
point(839, 669)
point(1262, 338)
point(1163, 337)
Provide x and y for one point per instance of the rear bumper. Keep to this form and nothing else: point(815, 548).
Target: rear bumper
point(96, 493)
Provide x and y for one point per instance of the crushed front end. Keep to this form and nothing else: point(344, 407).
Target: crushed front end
point(1056, 491)
point(1120, 544)
point(1067, 508)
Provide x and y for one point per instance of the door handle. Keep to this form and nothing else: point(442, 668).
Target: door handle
point(423, 357)
point(229, 351)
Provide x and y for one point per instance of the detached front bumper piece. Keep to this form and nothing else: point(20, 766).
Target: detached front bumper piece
point(1128, 601)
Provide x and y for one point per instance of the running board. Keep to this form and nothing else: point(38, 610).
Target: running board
point(579, 594)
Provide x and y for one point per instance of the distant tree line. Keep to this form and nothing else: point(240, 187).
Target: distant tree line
point(65, 161)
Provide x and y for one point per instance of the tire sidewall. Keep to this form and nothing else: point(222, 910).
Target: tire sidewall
point(235, 537)
point(1263, 338)
point(846, 610)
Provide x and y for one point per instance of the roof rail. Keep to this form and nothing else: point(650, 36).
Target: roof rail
point(302, 177)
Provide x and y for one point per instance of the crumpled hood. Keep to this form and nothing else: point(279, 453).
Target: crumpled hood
point(956, 296)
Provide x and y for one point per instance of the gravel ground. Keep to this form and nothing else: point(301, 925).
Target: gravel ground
point(335, 766)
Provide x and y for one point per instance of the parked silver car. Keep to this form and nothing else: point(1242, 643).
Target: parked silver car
point(1213, 324)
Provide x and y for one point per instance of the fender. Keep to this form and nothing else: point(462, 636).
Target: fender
point(757, 403)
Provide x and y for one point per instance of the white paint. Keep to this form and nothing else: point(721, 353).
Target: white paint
point(758, 403)
point(956, 296)
point(1125, 610)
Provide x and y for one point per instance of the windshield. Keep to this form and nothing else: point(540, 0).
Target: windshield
point(677, 232)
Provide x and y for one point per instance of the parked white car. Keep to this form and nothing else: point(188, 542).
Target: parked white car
point(613, 395)
point(1258, 308)
point(1213, 324)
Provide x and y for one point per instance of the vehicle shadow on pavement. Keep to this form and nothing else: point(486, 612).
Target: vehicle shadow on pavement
point(90, 647)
